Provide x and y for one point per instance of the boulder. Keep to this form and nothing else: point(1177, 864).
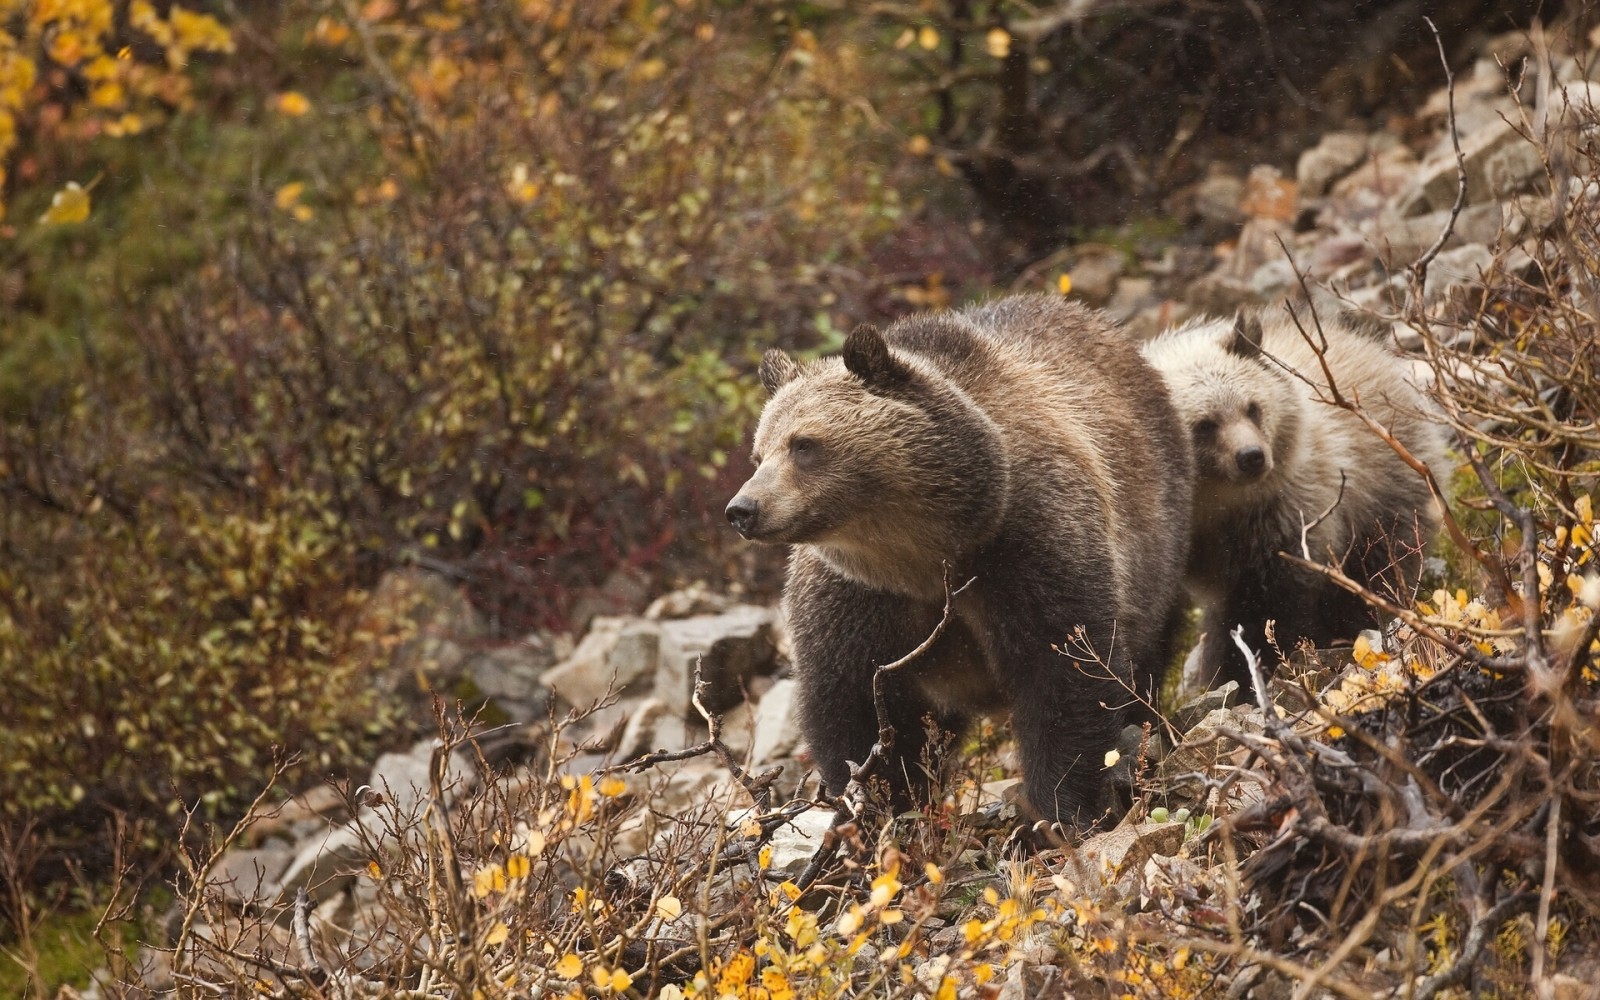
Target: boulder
point(510, 675)
point(777, 729)
point(591, 672)
point(1337, 154)
point(728, 648)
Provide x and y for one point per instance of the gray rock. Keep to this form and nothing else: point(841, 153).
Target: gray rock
point(584, 678)
point(1188, 715)
point(1129, 846)
point(695, 599)
point(1498, 162)
point(404, 780)
point(251, 874)
point(795, 842)
point(777, 729)
point(1216, 199)
point(1462, 266)
point(1333, 157)
point(729, 649)
point(1402, 240)
point(417, 629)
point(633, 659)
point(509, 675)
point(330, 862)
point(623, 593)
point(640, 734)
point(1204, 745)
point(1095, 273)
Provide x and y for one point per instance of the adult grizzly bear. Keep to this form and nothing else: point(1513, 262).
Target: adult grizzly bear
point(1274, 461)
point(1026, 444)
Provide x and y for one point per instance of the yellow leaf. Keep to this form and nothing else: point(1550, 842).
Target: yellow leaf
point(570, 966)
point(1335, 732)
point(918, 145)
point(286, 197)
point(850, 921)
point(612, 786)
point(947, 989)
point(928, 38)
point(736, 973)
point(1112, 757)
point(764, 858)
point(374, 870)
point(669, 908)
point(1585, 509)
point(935, 875)
point(998, 42)
point(70, 205)
point(750, 828)
point(497, 934)
point(1064, 283)
point(601, 976)
point(517, 866)
point(293, 103)
point(620, 980)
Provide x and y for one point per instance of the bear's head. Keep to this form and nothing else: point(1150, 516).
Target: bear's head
point(875, 458)
point(1240, 407)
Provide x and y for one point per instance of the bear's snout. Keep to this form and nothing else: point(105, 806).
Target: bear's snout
point(1251, 460)
point(742, 511)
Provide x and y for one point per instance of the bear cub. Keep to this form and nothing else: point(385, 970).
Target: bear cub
point(1271, 458)
point(1023, 443)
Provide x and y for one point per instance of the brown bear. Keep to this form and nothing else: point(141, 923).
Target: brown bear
point(1023, 443)
point(1271, 456)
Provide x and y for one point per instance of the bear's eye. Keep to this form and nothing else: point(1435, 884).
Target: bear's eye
point(1253, 411)
point(1205, 428)
point(802, 448)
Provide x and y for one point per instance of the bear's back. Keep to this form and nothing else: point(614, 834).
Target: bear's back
point(1088, 427)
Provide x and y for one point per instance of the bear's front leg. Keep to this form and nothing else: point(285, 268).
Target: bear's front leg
point(1066, 711)
point(842, 632)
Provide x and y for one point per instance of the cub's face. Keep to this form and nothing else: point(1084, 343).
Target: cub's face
point(1238, 409)
point(830, 456)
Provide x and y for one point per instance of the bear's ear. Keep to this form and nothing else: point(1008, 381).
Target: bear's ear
point(1245, 338)
point(777, 368)
point(868, 358)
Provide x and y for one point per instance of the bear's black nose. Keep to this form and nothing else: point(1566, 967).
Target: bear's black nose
point(742, 514)
point(1250, 460)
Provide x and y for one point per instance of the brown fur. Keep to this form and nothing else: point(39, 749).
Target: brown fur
point(1230, 383)
point(1025, 444)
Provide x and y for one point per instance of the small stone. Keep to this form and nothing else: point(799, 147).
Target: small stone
point(1128, 847)
point(1095, 273)
point(796, 841)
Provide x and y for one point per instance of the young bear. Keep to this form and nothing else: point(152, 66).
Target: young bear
point(1026, 445)
point(1270, 459)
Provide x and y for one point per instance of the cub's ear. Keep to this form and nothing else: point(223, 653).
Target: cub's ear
point(776, 369)
point(868, 358)
point(1245, 338)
